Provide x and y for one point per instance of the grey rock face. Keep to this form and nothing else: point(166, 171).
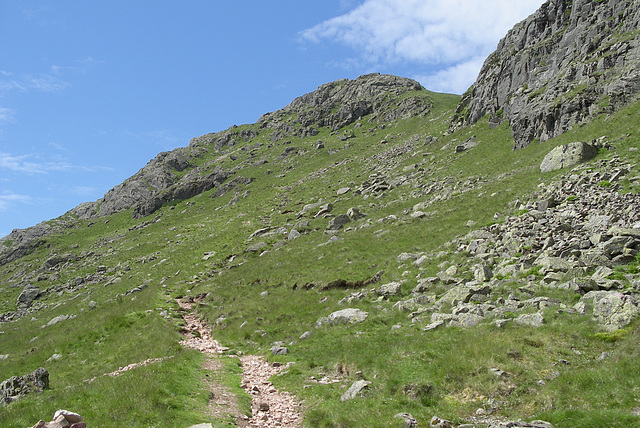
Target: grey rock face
point(565, 63)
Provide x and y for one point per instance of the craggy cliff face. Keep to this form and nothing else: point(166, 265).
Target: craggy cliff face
point(559, 67)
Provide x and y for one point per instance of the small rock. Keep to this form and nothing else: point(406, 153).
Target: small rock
point(279, 350)
point(437, 422)
point(533, 320)
point(338, 222)
point(69, 416)
point(355, 389)
point(305, 335)
point(390, 289)
point(408, 419)
point(293, 235)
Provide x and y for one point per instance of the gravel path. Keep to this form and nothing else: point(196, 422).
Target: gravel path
point(269, 407)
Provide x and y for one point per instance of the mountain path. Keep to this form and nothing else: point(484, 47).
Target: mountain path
point(270, 408)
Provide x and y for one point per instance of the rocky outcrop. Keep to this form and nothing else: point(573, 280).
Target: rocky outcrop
point(21, 242)
point(569, 61)
point(337, 104)
point(17, 387)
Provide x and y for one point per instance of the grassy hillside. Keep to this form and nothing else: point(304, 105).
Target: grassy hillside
point(261, 285)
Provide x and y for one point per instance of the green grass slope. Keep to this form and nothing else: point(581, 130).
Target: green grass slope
point(262, 288)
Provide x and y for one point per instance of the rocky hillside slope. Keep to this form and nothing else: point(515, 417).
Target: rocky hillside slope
point(566, 63)
point(189, 171)
point(396, 271)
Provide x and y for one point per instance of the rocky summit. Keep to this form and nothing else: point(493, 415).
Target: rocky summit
point(372, 254)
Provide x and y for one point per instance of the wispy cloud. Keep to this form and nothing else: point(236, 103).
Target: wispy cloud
point(80, 66)
point(438, 34)
point(27, 82)
point(8, 199)
point(33, 164)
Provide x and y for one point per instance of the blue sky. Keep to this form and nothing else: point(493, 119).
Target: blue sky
point(90, 91)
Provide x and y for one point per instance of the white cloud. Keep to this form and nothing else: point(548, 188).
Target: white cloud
point(8, 199)
point(19, 163)
point(454, 79)
point(32, 164)
point(437, 34)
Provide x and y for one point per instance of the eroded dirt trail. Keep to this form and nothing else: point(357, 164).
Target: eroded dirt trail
point(270, 408)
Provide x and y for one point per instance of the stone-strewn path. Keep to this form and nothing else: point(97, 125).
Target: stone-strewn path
point(270, 408)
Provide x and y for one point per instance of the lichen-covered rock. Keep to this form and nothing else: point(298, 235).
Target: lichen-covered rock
point(19, 386)
point(567, 156)
point(611, 309)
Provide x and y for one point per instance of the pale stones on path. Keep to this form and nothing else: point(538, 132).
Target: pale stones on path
point(355, 389)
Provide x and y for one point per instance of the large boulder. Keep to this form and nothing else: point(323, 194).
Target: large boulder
point(567, 156)
point(28, 295)
point(344, 316)
point(611, 309)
